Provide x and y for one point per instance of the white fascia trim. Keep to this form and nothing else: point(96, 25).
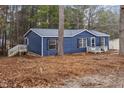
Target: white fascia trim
point(32, 31)
point(26, 33)
point(80, 32)
point(97, 35)
point(91, 33)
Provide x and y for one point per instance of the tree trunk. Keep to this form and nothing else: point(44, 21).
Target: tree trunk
point(89, 20)
point(78, 22)
point(121, 31)
point(61, 31)
point(17, 24)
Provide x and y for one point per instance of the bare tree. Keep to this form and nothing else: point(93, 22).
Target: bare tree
point(121, 31)
point(90, 15)
point(61, 31)
point(3, 26)
point(17, 24)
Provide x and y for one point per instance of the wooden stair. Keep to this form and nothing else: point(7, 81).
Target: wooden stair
point(17, 49)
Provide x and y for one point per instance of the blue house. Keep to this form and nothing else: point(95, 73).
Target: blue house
point(44, 41)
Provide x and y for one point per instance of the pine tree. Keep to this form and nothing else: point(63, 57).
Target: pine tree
point(121, 31)
point(61, 31)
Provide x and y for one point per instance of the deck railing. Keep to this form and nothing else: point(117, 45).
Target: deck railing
point(17, 49)
point(97, 49)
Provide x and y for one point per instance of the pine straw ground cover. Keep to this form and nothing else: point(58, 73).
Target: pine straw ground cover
point(53, 71)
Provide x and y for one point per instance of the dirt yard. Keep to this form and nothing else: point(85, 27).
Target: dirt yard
point(76, 70)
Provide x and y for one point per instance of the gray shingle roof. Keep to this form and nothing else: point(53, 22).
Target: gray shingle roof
point(67, 33)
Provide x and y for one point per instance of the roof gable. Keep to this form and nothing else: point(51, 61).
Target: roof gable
point(96, 33)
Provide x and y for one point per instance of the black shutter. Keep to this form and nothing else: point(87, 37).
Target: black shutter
point(77, 43)
point(47, 44)
point(56, 44)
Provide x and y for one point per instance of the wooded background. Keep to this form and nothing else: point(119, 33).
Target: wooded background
point(15, 20)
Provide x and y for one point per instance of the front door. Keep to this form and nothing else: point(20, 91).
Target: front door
point(92, 41)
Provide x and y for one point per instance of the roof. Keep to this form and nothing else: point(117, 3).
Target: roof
point(67, 32)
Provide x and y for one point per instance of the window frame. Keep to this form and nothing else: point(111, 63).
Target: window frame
point(102, 38)
point(52, 44)
point(26, 41)
point(82, 42)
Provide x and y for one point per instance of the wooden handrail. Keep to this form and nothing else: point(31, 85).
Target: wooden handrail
point(16, 49)
point(97, 49)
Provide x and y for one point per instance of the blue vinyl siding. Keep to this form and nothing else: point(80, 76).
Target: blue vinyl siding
point(70, 43)
point(46, 51)
point(34, 43)
point(70, 46)
point(87, 35)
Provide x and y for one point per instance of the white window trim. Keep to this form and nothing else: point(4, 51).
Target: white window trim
point(103, 41)
point(55, 44)
point(27, 40)
point(86, 42)
point(82, 42)
point(94, 41)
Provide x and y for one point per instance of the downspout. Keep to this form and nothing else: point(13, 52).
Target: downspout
point(42, 46)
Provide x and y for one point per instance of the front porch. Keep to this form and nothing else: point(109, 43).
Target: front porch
point(97, 49)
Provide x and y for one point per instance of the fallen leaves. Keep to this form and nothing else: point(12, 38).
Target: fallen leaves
point(32, 71)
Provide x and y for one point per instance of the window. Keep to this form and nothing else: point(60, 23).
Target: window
point(26, 41)
point(93, 42)
point(52, 44)
point(102, 41)
point(82, 42)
